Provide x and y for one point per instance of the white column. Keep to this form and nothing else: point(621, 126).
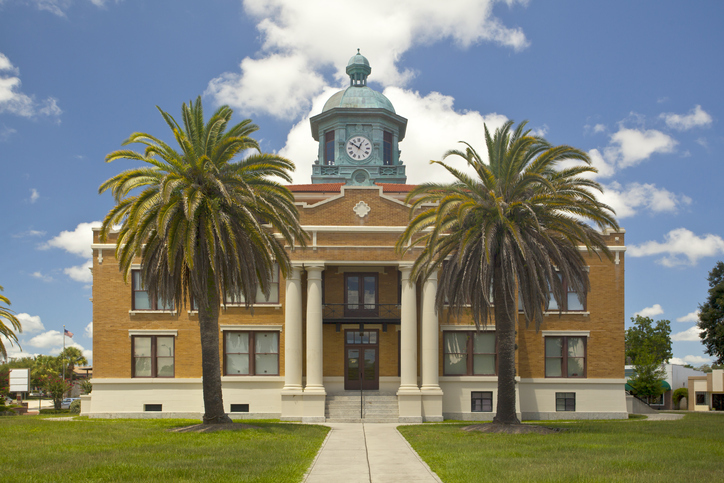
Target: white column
point(293, 331)
point(314, 330)
point(408, 342)
point(430, 335)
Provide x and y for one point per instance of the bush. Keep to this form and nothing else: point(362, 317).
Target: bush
point(75, 407)
point(54, 411)
point(680, 393)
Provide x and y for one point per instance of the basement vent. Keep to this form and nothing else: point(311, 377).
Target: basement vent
point(153, 407)
point(239, 408)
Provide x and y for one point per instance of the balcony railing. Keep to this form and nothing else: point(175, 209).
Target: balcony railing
point(369, 313)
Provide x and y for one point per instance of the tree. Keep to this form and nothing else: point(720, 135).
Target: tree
point(56, 387)
point(9, 332)
point(646, 339)
point(71, 357)
point(647, 377)
point(511, 230)
point(711, 315)
point(203, 224)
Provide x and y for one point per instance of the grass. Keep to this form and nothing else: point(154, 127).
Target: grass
point(691, 449)
point(37, 448)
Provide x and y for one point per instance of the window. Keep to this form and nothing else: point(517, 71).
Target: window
point(360, 296)
point(141, 300)
point(239, 299)
point(481, 401)
point(251, 353)
point(701, 399)
point(469, 353)
point(565, 401)
point(329, 148)
point(570, 304)
point(387, 148)
point(153, 356)
point(565, 356)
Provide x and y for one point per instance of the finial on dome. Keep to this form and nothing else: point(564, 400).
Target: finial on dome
point(358, 68)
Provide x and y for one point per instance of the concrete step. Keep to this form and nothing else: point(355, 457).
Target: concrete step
point(377, 408)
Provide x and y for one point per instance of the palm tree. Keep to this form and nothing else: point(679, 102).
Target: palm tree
point(511, 230)
point(202, 223)
point(71, 357)
point(9, 315)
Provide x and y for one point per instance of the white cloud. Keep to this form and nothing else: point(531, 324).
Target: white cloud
point(42, 276)
point(680, 247)
point(29, 233)
point(77, 241)
point(30, 323)
point(89, 330)
point(80, 273)
point(698, 360)
point(51, 338)
point(689, 335)
point(628, 200)
point(297, 46)
point(438, 127)
point(695, 118)
point(14, 101)
point(60, 7)
point(599, 128)
point(605, 169)
point(631, 146)
point(650, 311)
point(690, 317)
point(6, 133)
point(34, 195)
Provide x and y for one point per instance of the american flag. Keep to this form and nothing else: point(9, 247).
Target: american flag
point(68, 333)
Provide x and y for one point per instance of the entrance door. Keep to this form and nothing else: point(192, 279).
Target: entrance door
point(362, 365)
point(360, 295)
point(717, 402)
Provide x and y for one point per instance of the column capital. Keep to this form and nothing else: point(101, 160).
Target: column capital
point(431, 278)
point(295, 272)
point(314, 272)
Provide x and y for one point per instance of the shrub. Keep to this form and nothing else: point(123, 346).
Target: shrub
point(75, 407)
point(680, 393)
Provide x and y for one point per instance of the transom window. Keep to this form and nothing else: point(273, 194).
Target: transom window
point(469, 353)
point(153, 356)
point(251, 353)
point(239, 299)
point(565, 356)
point(141, 300)
point(356, 337)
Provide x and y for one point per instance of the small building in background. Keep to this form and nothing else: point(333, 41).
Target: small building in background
point(706, 392)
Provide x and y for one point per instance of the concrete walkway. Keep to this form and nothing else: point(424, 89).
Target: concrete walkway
point(663, 417)
point(369, 453)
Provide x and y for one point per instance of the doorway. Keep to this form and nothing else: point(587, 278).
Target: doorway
point(361, 360)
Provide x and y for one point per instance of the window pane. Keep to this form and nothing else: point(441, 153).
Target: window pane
point(273, 295)
point(266, 364)
point(350, 337)
point(456, 342)
point(575, 367)
point(373, 337)
point(575, 347)
point(554, 347)
point(456, 364)
point(237, 342)
point(142, 367)
point(552, 304)
point(553, 367)
point(140, 301)
point(142, 347)
point(484, 364)
point(353, 292)
point(266, 342)
point(164, 346)
point(161, 306)
point(237, 363)
point(137, 282)
point(369, 284)
point(573, 302)
point(484, 343)
point(164, 366)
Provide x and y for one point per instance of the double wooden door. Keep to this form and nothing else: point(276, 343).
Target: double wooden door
point(361, 360)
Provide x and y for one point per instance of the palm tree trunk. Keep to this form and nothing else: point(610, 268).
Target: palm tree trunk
point(505, 318)
point(210, 362)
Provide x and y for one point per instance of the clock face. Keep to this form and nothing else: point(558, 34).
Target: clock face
point(359, 148)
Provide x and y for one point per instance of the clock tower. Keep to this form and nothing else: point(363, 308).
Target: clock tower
point(358, 133)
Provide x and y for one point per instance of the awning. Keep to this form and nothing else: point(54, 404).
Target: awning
point(664, 384)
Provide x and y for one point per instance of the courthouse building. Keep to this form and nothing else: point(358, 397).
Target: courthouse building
point(348, 335)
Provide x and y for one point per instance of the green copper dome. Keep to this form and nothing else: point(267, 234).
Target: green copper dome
point(358, 95)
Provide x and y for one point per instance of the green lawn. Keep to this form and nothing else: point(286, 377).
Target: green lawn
point(38, 449)
point(691, 449)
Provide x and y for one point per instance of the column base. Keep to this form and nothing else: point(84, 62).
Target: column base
point(314, 402)
point(432, 403)
point(292, 404)
point(409, 401)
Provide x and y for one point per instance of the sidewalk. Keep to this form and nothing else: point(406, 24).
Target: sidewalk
point(369, 453)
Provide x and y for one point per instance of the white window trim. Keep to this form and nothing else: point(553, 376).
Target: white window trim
point(141, 312)
point(251, 328)
point(565, 333)
point(132, 332)
point(256, 306)
point(555, 312)
point(467, 328)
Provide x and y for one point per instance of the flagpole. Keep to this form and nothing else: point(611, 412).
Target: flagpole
point(63, 352)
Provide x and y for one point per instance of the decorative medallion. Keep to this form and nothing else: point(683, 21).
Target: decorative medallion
point(361, 209)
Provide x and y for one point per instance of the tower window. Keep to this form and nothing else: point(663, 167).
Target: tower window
point(387, 149)
point(329, 148)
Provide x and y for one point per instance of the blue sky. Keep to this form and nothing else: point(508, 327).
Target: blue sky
point(635, 84)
